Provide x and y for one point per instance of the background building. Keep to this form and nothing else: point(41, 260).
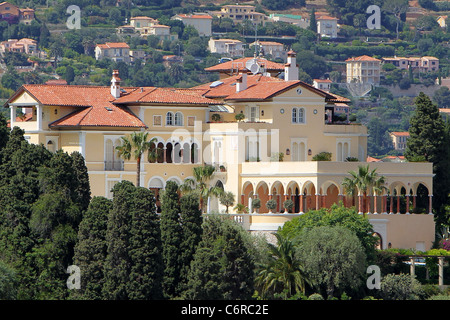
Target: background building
point(201, 22)
point(363, 69)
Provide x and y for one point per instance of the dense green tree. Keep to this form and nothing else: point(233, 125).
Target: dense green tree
point(171, 235)
point(442, 97)
point(333, 259)
point(335, 216)
point(4, 132)
point(19, 189)
point(145, 247)
point(400, 287)
point(8, 282)
point(118, 262)
point(82, 188)
point(191, 222)
point(91, 248)
point(314, 65)
point(379, 142)
point(429, 142)
point(313, 21)
point(222, 267)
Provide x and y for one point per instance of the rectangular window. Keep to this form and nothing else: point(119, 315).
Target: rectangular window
point(254, 114)
point(191, 121)
point(157, 120)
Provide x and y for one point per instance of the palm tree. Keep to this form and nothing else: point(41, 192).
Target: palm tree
point(200, 184)
point(137, 144)
point(377, 189)
point(283, 273)
point(363, 180)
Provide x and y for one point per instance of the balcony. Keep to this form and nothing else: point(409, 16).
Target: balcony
point(116, 165)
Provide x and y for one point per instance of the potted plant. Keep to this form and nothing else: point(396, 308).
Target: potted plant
point(239, 116)
point(288, 205)
point(215, 117)
point(241, 208)
point(271, 205)
point(256, 204)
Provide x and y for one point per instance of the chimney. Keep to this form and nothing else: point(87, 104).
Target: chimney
point(291, 67)
point(115, 84)
point(241, 81)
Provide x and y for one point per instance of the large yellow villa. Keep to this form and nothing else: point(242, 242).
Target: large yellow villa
point(267, 155)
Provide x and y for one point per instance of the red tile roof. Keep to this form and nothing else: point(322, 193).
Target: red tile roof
point(156, 95)
point(259, 87)
point(194, 16)
point(95, 104)
point(400, 133)
point(240, 64)
point(109, 45)
point(362, 58)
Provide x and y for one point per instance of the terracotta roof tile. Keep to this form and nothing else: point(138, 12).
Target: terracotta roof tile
point(95, 103)
point(240, 63)
point(362, 58)
point(259, 87)
point(109, 45)
point(165, 96)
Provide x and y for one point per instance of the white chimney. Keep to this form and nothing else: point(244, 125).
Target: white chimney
point(241, 82)
point(115, 84)
point(291, 68)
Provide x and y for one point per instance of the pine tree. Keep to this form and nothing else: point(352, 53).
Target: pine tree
point(428, 142)
point(191, 221)
point(171, 235)
point(91, 248)
point(118, 262)
point(147, 269)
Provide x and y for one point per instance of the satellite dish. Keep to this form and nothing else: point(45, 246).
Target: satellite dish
point(253, 66)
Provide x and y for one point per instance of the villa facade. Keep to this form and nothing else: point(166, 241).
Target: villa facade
point(267, 155)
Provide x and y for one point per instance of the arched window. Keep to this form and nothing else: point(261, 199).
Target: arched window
point(178, 119)
point(294, 115)
point(169, 119)
point(301, 115)
point(298, 115)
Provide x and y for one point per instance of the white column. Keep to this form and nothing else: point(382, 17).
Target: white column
point(39, 116)
point(12, 116)
point(82, 141)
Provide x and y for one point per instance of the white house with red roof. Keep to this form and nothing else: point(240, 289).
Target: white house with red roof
point(202, 22)
point(327, 26)
point(116, 51)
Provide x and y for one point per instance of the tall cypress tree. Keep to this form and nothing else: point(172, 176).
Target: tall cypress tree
point(91, 248)
point(146, 273)
point(118, 262)
point(191, 221)
point(83, 188)
point(428, 141)
point(171, 236)
point(223, 267)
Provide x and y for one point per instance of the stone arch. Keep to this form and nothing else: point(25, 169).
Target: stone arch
point(156, 184)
